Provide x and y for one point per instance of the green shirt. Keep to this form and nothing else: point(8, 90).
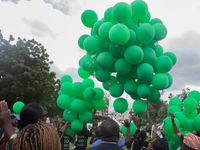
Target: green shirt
point(65, 142)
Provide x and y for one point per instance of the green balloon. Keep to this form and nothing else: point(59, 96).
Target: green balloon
point(66, 78)
point(85, 117)
point(78, 88)
point(146, 18)
point(116, 50)
point(195, 95)
point(77, 125)
point(155, 20)
point(82, 73)
point(88, 63)
point(175, 101)
point(77, 106)
point(172, 56)
point(18, 106)
point(170, 79)
point(131, 24)
point(99, 93)
point(145, 71)
point(154, 97)
point(89, 105)
point(181, 118)
point(119, 34)
point(89, 94)
point(92, 32)
point(134, 54)
point(123, 78)
point(81, 40)
point(139, 9)
point(105, 47)
point(116, 90)
point(197, 122)
point(92, 44)
point(190, 104)
point(159, 51)
point(160, 31)
point(120, 105)
point(121, 12)
point(160, 81)
point(134, 71)
point(69, 116)
point(66, 88)
point(102, 75)
point(132, 128)
point(130, 87)
point(139, 106)
point(164, 64)
point(105, 60)
point(69, 131)
point(143, 91)
point(149, 55)
point(89, 17)
point(189, 125)
point(132, 38)
point(122, 66)
point(64, 101)
point(135, 96)
point(108, 15)
point(152, 44)
point(100, 104)
point(104, 30)
point(88, 83)
point(190, 114)
point(168, 124)
point(97, 25)
point(106, 85)
point(60, 93)
point(173, 109)
point(169, 134)
point(174, 144)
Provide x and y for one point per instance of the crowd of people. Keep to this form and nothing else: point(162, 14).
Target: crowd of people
point(32, 132)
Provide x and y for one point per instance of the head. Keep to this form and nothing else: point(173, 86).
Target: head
point(191, 142)
point(37, 136)
point(143, 135)
point(137, 134)
point(60, 125)
point(97, 132)
point(109, 130)
point(196, 132)
point(158, 144)
point(14, 121)
point(32, 113)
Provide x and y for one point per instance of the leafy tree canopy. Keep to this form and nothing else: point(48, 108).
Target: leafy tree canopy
point(25, 74)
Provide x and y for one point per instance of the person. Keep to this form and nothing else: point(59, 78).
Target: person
point(158, 144)
point(37, 136)
point(121, 142)
point(65, 139)
point(163, 134)
point(95, 136)
point(30, 113)
point(81, 138)
point(140, 143)
point(189, 141)
point(109, 130)
point(136, 136)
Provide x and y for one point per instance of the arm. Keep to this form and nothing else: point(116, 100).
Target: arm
point(128, 136)
point(176, 130)
point(92, 139)
point(5, 120)
point(63, 128)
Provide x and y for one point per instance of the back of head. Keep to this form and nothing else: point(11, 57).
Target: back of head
point(143, 134)
point(30, 113)
point(109, 130)
point(38, 136)
point(97, 132)
point(159, 144)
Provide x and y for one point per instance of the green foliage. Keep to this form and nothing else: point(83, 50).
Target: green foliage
point(25, 74)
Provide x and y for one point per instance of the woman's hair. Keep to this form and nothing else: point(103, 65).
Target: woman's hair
point(143, 134)
point(197, 133)
point(159, 144)
point(30, 113)
point(38, 136)
point(13, 116)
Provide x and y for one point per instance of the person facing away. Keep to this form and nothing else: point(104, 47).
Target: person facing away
point(121, 142)
point(109, 130)
point(158, 144)
point(140, 143)
point(37, 136)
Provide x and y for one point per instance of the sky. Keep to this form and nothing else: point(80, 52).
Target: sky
point(57, 25)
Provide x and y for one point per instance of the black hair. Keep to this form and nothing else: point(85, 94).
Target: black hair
point(109, 130)
point(97, 132)
point(30, 113)
point(143, 134)
point(159, 144)
point(197, 133)
point(13, 116)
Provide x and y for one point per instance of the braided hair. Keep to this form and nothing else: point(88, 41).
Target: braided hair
point(38, 136)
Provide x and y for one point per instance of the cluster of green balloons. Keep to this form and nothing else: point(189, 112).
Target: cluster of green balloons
point(123, 53)
point(78, 100)
point(187, 120)
point(17, 106)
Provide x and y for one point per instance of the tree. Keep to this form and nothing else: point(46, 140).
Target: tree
point(25, 74)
